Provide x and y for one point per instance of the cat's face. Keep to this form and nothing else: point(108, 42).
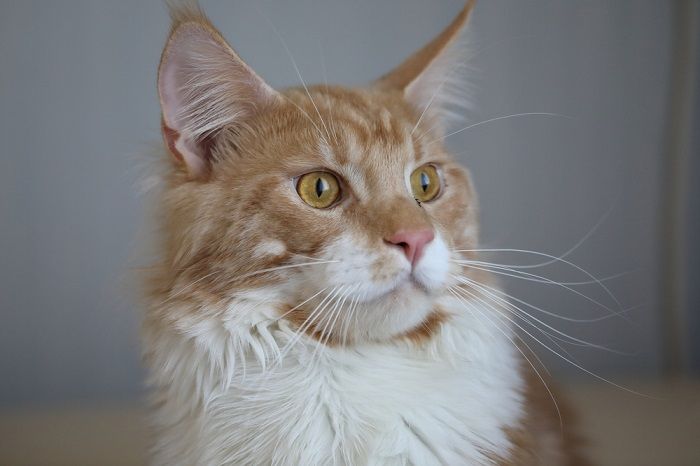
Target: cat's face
point(342, 205)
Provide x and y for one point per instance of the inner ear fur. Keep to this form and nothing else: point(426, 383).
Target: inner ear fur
point(203, 86)
point(428, 78)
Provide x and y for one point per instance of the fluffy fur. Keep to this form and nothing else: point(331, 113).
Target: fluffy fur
point(277, 333)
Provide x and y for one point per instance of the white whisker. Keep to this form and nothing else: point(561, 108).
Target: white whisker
point(240, 277)
point(490, 120)
point(437, 91)
point(283, 267)
point(310, 320)
point(334, 313)
point(569, 361)
point(345, 328)
point(534, 277)
point(490, 292)
point(301, 304)
point(621, 313)
point(331, 122)
point(187, 287)
point(484, 316)
point(296, 69)
point(578, 243)
point(556, 259)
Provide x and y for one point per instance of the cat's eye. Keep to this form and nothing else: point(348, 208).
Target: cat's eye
point(425, 183)
point(318, 189)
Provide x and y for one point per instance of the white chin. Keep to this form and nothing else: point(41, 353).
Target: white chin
point(394, 313)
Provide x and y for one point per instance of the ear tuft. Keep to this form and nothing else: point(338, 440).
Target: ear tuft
point(432, 78)
point(182, 11)
point(203, 86)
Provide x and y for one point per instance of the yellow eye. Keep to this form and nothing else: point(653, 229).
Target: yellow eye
point(425, 183)
point(318, 189)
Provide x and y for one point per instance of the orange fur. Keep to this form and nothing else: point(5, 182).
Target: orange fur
point(541, 439)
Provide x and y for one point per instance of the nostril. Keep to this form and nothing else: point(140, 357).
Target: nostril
point(401, 244)
point(412, 242)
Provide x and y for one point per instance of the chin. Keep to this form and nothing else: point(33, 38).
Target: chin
point(395, 313)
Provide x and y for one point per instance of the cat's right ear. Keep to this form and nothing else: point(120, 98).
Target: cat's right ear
point(203, 87)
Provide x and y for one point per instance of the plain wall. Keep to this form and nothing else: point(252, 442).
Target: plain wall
point(691, 213)
point(78, 107)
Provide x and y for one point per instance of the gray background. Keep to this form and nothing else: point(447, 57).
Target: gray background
point(78, 109)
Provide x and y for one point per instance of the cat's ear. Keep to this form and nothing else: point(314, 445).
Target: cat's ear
point(203, 87)
point(430, 78)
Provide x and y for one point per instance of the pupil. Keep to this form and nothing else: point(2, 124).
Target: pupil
point(321, 187)
point(424, 181)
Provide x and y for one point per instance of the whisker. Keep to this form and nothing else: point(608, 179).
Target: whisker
point(187, 287)
point(241, 277)
point(296, 69)
point(308, 322)
point(308, 117)
point(289, 55)
point(331, 313)
point(578, 243)
point(346, 324)
point(621, 313)
point(331, 121)
point(556, 259)
point(283, 267)
point(438, 88)
point(536, 278)
point(355, 314)
point(486, 289)
point(303, 256)
point(339, 312)
point(490, 120)
point(551, 337)
point(320, 307)
point(497, 315)
point(483, 315)
point(301, 304)
point(334, 315)
point(281, 353)
point(569, 361)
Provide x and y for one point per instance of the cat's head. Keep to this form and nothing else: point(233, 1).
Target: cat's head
point(342, 205)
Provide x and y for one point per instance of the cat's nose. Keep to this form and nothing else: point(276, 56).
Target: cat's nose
point(413, 242)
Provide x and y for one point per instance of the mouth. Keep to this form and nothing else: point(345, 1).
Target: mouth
point(415, 284)
point(401, 289)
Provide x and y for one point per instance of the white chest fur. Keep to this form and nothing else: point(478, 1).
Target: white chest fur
point(445, 402)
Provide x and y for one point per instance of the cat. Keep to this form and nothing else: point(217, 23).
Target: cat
point(310, 306)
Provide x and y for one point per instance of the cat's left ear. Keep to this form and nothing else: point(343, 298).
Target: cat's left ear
point(430, 77)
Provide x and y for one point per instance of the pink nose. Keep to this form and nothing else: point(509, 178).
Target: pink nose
point(412, 242)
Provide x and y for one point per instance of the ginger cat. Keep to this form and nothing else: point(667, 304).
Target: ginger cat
point(310, 307)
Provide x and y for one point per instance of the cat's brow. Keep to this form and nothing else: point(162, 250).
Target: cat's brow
point(419, 152)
